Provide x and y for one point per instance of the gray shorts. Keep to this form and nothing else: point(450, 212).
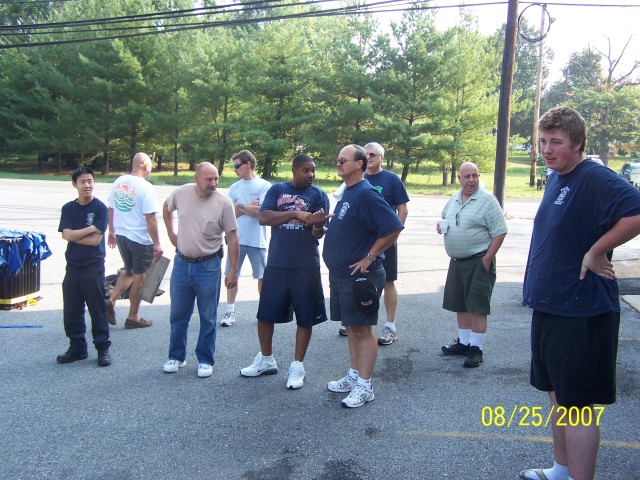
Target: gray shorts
point(137, 258)
point(344, 308)
point(257, 258)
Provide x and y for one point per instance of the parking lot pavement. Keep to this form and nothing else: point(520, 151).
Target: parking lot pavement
point(431, 418)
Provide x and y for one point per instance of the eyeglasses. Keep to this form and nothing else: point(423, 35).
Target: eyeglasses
point(237, 165)
point(457, 219)
point(371, 154)
point(342, 161)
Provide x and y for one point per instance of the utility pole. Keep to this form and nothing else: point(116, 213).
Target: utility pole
point(504, 109)
point(536, 111)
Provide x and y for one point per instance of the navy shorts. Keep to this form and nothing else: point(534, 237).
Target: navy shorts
point(390, 263)
point(469, 286)
point(286, 291)
point(575, 357)
point(343, 305)
point(137, 258)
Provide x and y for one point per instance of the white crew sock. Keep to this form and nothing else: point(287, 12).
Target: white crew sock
point(391, 325)
point(477, 339)
point(353, 374)
point(464, 334)
point(231, 307)
point(557, 472)
point(365, 383)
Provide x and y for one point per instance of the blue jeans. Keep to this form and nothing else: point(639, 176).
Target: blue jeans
point(191, 282)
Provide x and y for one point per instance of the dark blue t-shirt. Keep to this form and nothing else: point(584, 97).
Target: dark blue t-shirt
point(576, 210)
point(389, 185)
point(291, 244)
point(361, 217)
point(76, 217)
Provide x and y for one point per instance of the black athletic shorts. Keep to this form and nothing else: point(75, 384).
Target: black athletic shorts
point(575, 357)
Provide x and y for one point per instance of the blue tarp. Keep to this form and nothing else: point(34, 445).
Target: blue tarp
point(18, 248)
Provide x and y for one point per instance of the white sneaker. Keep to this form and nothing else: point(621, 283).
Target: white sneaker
point(228, 319)
point(345, 384)
point(205, 370)
point(172, 366)
point(259, 367)
point(296, 375)
point(358, 397)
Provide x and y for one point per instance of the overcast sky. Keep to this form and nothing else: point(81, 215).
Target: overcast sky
point(574, 27)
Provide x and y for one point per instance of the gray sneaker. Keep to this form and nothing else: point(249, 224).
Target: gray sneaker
point(228, 319)
point(388, 337)
point(343, 331)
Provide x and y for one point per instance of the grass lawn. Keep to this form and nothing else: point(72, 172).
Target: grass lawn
point(426, 180)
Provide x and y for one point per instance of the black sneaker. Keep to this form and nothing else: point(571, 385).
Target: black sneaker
point(104, 359)
point(70, 356)
point(456, 348)
point(474, 359)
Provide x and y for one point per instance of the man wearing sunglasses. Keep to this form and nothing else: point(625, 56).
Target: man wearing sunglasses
point(475, 232)
point(247, 194)
point(362, 229)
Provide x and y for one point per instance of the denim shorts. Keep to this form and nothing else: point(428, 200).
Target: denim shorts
point(137, 258)
point(257, 258)
point(342, 304)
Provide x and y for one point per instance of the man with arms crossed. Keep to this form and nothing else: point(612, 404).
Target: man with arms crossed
point(247, 194)
point(83, 222)
point(570, 284)
point(133, 227)
point(475, 234)
point(203, 216)
point(362, 228)
point(295, 211)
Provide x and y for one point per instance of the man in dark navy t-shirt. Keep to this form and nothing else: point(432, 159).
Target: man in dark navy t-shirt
point(362, 228)
point(570, 283)
point(83, 222)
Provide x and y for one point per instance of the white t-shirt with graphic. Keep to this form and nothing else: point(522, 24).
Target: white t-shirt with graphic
point(131, 198)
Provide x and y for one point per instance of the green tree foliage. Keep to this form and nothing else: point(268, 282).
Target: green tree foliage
point(275, 86)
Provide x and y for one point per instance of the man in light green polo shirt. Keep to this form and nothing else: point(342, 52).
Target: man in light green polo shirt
point(473, 235)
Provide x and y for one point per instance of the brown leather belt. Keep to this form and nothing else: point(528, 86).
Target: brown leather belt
point(219, 253)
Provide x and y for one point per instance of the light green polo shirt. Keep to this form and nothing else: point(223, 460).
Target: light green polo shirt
point(472, 224)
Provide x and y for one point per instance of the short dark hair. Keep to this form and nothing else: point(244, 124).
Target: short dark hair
point(81, 171)
point(245, 156)
point(360, 154)
point(300, 159)
point(567, 119)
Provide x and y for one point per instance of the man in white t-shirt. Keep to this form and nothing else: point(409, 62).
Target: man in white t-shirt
point(133, 227)
point(247, 194)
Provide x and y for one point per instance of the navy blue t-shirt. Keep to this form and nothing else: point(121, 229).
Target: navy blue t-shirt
point(389, 185)
point(76, 217)
point(292, 245)
point(576, 210)
point(361, 217)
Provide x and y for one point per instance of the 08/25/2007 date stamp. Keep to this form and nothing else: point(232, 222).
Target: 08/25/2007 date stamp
point(526, 416)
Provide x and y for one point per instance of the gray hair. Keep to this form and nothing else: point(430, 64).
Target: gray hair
point(376, 146)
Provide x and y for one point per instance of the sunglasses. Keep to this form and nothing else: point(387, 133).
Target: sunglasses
point(342, 161)
point(371, 154)
point(237, 165)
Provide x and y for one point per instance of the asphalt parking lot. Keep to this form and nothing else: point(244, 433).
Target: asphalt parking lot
point(431, 417)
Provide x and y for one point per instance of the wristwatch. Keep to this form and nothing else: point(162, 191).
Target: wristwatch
point(370, 257)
